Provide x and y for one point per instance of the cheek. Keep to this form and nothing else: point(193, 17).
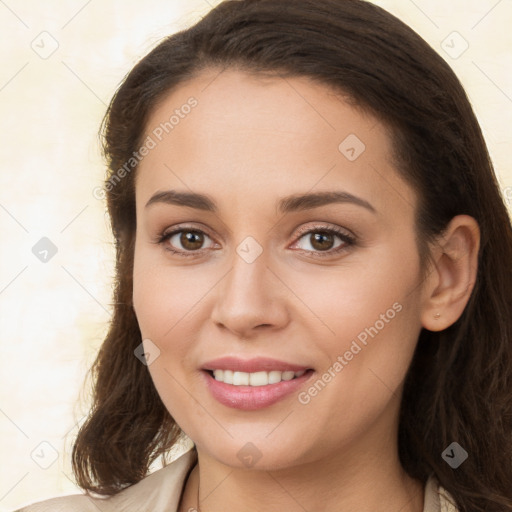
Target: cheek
point(377, 293)
point(164, 296)
point(370, 320)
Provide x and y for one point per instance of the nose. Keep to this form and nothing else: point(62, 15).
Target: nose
point(250, 298)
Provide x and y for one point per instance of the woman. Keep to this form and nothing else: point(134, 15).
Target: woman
point(313, 276)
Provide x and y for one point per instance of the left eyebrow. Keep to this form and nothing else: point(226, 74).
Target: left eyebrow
point(297, 202)
point(292, 203)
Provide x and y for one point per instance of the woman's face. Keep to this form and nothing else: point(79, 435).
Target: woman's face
point(265, 285)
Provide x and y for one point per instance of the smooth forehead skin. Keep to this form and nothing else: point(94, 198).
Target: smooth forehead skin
point(251, 139)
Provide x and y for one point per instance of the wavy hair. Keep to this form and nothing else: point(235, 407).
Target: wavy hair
point(459, 384)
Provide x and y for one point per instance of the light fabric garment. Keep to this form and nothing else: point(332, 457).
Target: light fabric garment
point(161, 492)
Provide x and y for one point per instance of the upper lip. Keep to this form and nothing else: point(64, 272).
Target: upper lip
point(257, 364)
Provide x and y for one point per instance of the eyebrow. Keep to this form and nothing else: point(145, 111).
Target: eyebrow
point(288, 204)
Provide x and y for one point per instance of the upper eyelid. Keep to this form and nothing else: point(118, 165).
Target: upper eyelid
point(179, 228)
point(319, 225)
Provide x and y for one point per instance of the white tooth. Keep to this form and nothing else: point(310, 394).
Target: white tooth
point(274, 377)
point(258, 379)
point(261, 378)
point(241, 379)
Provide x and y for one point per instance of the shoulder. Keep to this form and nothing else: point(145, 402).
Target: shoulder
point(158, 492)
point(437, 498)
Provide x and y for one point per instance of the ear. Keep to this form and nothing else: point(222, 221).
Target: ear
point(452, 273)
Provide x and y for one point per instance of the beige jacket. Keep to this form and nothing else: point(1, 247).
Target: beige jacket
point(161, 491)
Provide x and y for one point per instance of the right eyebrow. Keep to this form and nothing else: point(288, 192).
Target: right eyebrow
point(189, 199)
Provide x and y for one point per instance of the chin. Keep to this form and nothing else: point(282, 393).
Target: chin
point(256, 452)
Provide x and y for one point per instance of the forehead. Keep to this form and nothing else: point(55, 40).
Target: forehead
point(235, 132)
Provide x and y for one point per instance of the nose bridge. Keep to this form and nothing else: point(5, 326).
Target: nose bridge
point(247, 284)
point(249, 295)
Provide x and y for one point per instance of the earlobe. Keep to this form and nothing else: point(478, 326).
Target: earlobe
point(453, 274)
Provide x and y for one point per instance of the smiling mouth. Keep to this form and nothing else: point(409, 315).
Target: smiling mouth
point(255, 379)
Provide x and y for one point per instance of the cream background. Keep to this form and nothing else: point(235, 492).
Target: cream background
point(54, 314)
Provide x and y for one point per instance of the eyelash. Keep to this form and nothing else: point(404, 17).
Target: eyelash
point(347, 240)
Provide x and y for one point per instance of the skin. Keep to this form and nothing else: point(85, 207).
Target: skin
point(249, 142)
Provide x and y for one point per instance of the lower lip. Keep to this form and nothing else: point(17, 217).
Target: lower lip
point(251, 398)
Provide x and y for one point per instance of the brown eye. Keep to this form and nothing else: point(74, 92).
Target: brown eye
point(322, 241)
point(191, 240)
point(186, 242)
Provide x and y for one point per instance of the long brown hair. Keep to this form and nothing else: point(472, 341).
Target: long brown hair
point(459, 385)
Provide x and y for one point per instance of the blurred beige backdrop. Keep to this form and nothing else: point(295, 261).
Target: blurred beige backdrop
point(61, 63)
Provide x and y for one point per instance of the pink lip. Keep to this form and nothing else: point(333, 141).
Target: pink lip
point(257, 364)
point(251, 398)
